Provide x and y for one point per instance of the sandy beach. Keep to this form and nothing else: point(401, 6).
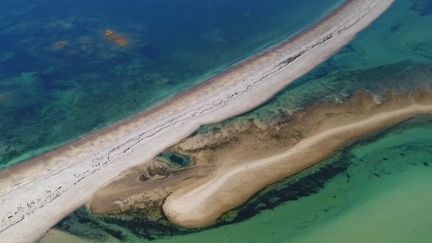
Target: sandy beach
point(37, 194)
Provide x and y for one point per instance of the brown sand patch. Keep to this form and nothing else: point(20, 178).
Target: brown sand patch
point(60, 45)
point(116, 38)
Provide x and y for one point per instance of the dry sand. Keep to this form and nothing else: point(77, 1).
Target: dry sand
point(37, 194)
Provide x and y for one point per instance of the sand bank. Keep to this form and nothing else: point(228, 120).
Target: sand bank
point(240, 175)
point(37, 194)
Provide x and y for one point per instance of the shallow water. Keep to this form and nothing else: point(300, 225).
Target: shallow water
point(60, 78)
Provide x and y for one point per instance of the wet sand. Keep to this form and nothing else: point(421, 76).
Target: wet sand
point(53, 185)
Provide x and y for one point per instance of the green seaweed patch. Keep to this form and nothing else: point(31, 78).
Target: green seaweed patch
point(81, 223)
point(85, 225)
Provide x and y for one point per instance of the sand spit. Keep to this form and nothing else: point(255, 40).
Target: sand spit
point(219, 157)
point(243, 172)
point(37, 194)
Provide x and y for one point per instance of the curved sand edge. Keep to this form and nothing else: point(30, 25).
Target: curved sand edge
point(202, 202)
point(52, 186)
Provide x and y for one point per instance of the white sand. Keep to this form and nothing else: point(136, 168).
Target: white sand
point(36, 195)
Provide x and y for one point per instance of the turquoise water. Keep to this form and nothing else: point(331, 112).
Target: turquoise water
point(373, 191)
point(50, 95)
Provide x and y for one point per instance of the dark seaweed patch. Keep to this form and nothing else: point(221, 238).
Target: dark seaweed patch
point(395, 28)
point(422, 7)
point(150, 52)
point(116, 233)
point(294, 190)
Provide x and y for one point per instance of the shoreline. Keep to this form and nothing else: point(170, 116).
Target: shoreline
point(46, 187)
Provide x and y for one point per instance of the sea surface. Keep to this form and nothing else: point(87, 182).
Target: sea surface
point(61, 78)
point(376, 190)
